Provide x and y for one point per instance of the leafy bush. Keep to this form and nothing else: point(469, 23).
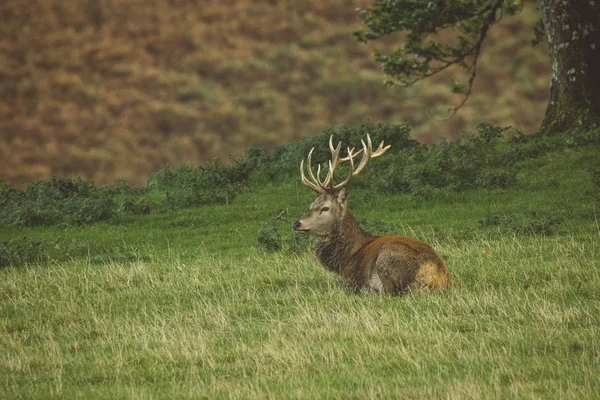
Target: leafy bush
point(527, 147)
point(63, 201)
point(134, 206)
point(260, 163)
point(123, 188)
point(484, 159)
point(208, 175)
point(585, 137)
point(19, 251)
point(58, 201)
point(287, 157)
point(471, 162)
point(276, 234)
point(480, 160)
point(187, 185)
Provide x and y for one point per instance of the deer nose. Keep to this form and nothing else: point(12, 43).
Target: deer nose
point(296, 225)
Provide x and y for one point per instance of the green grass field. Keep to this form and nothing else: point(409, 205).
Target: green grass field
point(187, 304)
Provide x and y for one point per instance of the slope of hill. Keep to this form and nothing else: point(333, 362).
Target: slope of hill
point(115, 90)
point(185, 303)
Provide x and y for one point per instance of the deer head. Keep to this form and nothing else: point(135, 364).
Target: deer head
point(330, 204)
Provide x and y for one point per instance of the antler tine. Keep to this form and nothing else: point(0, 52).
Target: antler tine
point(353, 154)
point(310, 171)
point(323, 184)
point(320, 186)
point(314, 185)
point(337, 149)
point(350, 158)
point(334, 162)
point(365, 157)
point(380, 150)
point(306, 182)
point(368, 153)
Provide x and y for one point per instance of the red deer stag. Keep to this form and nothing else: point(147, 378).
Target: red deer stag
point(383, 264)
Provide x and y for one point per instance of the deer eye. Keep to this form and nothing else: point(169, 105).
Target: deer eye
point(324, 209)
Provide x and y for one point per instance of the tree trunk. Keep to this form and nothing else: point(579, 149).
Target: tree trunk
point(573, 33)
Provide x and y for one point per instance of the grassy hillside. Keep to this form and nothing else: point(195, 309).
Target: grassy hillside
point(188, 303)
point(116, 89)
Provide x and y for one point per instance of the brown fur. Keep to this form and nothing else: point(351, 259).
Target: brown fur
point(401, 263)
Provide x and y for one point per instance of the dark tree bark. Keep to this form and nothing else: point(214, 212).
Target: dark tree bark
point(573, 33)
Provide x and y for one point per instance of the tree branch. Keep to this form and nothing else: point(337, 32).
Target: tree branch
point(476, 51)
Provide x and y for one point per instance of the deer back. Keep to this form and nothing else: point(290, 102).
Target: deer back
point(395, 264)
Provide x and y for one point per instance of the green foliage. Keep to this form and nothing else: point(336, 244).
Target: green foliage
point(471, 162)
point(587, 134)
point(58, 201)
point(490, 158)
point(261, 163)
point(483, 160)
point(209, 175)
point(425, 50)
point(422, 53)
point(63, 201)
point(134, 206)
point(187, 185)
point(276, 234)
point(20, 251)
point(539, 32)
point(287, 158)
point(528, 147)
point(530, 222)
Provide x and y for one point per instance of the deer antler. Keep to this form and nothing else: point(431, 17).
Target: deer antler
point(321, 186)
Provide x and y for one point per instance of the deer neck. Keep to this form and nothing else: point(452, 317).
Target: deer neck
point(347, 237)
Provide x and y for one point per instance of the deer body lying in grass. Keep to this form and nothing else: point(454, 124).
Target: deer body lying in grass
point(383, 264)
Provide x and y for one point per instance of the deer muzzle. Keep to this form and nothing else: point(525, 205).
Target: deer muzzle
point(297, 226)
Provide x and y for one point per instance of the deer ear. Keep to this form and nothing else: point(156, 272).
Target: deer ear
point(342, 196)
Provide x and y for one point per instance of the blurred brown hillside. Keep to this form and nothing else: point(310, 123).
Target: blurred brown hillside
point(115, 89)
